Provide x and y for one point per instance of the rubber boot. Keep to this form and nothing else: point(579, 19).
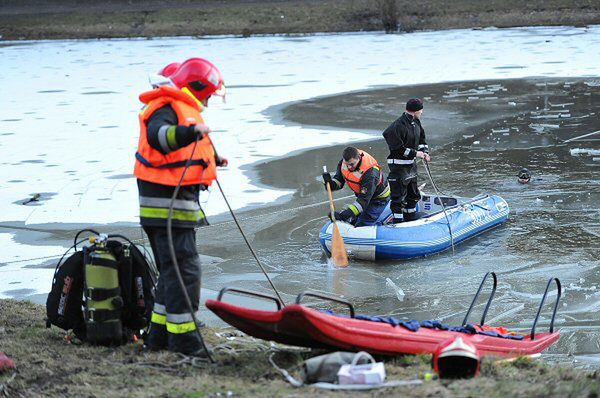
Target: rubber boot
point(185, 343)
point(157, 338)
point(410, 215)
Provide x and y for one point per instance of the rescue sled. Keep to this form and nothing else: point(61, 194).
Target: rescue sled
point(427, 235)
point(298, 325)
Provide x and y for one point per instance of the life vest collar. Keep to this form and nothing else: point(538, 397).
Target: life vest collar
point(173, 92)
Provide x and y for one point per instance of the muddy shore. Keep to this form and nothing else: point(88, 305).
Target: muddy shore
point(61, 19)
point(47, 365)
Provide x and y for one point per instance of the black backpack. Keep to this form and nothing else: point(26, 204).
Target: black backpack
point(103, 292)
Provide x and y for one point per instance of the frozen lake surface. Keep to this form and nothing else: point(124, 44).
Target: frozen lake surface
point(68, 130)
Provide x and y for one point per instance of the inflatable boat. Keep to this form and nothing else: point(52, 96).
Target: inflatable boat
point(299, 325)
point(433, 232)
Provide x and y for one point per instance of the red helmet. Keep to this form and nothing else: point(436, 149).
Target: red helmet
point(200, 77)
point(169, 69)
point(455, 359)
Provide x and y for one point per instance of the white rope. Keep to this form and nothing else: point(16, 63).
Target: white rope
point(441, 202)
point(142, 240)
point(581, 136)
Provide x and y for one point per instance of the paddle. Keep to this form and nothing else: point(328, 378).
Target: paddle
point(338, 249)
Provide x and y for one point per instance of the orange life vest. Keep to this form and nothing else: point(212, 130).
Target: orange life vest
point(353, 178)
point(153, 166)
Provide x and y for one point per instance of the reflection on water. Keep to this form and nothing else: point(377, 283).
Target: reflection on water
point(481, 133)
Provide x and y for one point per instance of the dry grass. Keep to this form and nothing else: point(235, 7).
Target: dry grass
point(30, 19)
point(47, 366)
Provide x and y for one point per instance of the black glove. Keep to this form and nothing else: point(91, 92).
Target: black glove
point(327, 179)
point(345, 215)
point(221, 161)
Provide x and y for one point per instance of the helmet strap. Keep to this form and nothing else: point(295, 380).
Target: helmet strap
point(188, 92)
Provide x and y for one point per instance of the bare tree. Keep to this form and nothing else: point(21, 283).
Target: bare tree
point(389, 15)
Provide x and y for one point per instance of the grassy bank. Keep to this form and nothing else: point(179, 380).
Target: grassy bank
point(56, 19)
point(48, 366)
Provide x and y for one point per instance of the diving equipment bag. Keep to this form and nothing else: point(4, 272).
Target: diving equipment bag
point(103, 292)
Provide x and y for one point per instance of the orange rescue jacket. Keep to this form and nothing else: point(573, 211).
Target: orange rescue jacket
point(153, 166)
point(353, 178)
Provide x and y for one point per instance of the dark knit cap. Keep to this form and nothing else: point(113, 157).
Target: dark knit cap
point(414, 104)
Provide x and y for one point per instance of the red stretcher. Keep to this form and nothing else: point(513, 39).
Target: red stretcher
point(299, 325)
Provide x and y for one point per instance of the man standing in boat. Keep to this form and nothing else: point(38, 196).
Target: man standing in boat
point(364, 176)
point(406, 140)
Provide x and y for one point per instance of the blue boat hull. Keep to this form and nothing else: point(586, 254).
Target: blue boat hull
point(423, 237)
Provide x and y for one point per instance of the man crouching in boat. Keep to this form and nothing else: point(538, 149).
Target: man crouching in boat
point(363, 175)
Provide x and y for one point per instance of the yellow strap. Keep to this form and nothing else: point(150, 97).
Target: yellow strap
point(180, 328)
point(145, 107)
point(159, 318)
point(188, 92)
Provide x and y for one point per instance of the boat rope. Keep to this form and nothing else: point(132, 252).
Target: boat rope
point(248, 243)
point(441, 202)
point(239, 226)
point(287, 210)
point(581, 136)
point(143, 240)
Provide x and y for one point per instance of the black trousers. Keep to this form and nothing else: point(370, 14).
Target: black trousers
point(172, 325)
point(404, 191)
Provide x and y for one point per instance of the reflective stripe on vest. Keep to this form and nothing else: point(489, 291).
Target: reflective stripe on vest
point(353, 178)
point(153, 166)
point(183, 210)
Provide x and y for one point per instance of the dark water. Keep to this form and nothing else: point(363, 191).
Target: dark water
point(481, 134)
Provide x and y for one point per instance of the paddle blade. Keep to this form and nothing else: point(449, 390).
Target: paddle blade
point(338, 249)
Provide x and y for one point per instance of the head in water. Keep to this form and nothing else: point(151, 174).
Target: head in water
point(524, 176)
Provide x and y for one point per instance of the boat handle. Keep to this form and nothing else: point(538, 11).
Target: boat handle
point(249, 293)
point(487, 307)
point(481, 207)
point(324, 297)
point(559, 291)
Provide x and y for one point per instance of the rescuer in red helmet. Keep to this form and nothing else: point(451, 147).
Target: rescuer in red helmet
point(169, 69)
point(162, 78)
point(170, 123)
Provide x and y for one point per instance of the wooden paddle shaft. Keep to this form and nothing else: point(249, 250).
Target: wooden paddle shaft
point(330, 201)
point(338, 249)
point(330, 196)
